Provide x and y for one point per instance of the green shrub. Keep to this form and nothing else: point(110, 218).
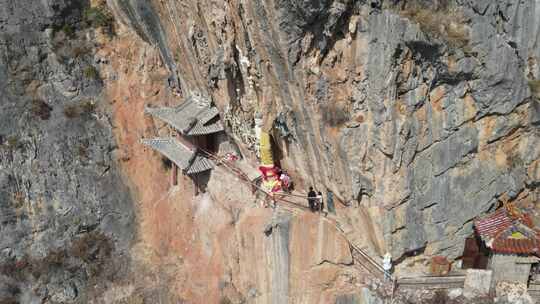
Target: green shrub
point(93, 17)
point(68, 30)
point(90, 72)
point(13, 142)
point(98, 16)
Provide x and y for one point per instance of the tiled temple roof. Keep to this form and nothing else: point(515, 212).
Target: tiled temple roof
point(182, 154)
point(489, 225)
point(507, 233)
point(195, 116)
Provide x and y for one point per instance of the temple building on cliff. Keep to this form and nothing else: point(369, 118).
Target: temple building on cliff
point(197, 125)
point(513, 242)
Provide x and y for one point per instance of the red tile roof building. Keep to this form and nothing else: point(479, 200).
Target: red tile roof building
point(509, 231)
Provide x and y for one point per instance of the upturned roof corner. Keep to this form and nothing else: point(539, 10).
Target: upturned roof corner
point(185, 156)
point(195, 116)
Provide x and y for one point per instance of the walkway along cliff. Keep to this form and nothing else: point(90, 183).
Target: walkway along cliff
point(132, 133)
point(415, 129)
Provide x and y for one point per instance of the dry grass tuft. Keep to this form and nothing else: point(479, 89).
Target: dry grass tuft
point(88, 107)
point(335, 114)
point(225, 300)
point(80, 51)
point(534, 85)
point(84, 108)
point(72, 111)
point(18, 199)
point(447, 24)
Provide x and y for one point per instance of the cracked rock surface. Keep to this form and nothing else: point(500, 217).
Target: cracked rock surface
point(421, 115)
point(66, 214)
point(417, 115)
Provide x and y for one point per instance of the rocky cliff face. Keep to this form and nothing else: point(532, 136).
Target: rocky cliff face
point(64, 207)
point(417, 116)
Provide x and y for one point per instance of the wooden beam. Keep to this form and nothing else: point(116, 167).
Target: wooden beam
point(458, 279)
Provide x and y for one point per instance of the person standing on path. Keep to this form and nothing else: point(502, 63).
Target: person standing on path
point(285, 181)
point(330, 202)
point(387, 265)
point(312, 197)
point(320, 202)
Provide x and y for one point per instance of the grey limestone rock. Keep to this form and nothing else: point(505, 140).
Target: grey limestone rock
point(58, 179)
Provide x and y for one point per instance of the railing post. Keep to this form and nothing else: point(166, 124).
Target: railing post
point(394, 283)
point(174, 174)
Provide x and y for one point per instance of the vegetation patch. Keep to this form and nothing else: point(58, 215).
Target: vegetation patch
point(446, 23)
point(534, 85)
point(90, 72)
point(72, 111)
point(13, 142)
point(99, 17)
point(80, 51)
point(166, 163)
point(86, 107)
point(70, 39)
point(82, 151)
point(39, 108)
point(334, 114)
point(89, 254)
point(18, 199)
point(68, 44)
point(225, 300)
point(66, 29)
